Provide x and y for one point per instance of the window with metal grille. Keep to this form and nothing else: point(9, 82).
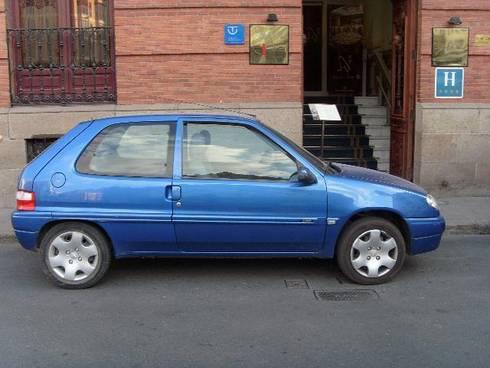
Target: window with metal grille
point(35, 145)
point(61, 51)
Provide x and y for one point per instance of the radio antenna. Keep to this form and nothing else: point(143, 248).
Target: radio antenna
point(212, 107)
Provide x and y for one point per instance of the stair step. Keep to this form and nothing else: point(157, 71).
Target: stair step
point(355, 152)
point(380, 143)
point(373, 110)
point(381, 155)
point(331, 152)
point(370, 164)
point(378, 131)
point(374, 120)
point(346, 119)
point(343, 109)
point(366, 100)
point(337, 140)
point(347, 109)
point(330, 99)
point(333, 129)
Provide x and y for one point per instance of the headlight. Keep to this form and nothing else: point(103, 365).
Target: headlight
point(432, 201)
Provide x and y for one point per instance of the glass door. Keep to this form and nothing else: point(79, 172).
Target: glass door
point(345, 48)
point(314, 48)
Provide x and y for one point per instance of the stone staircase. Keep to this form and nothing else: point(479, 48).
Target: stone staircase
point(374, 117)
point(360, 139)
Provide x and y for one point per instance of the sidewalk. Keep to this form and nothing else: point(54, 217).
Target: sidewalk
point(5, 226)
point(464, 215)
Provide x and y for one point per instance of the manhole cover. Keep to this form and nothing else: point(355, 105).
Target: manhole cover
point(346, 295)
point(297, 284)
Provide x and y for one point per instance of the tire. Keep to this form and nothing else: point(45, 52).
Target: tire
point(75, 255)
point(371, 251)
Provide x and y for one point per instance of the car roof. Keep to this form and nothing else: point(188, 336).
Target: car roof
point(173, 118)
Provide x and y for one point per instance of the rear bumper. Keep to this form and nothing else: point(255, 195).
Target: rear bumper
point(27, 226)
point(425, 233)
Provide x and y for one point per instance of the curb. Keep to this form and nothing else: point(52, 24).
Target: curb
point(475, 229)
point(7, 237)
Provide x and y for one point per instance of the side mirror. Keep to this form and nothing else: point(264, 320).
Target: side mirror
point(305, 176)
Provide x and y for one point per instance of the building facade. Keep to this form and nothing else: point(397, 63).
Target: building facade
point(65, 61)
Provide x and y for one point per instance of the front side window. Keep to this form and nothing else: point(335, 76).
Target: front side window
point(228, 151)
point(130, 150)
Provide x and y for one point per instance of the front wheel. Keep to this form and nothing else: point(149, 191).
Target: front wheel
point(74, 255)
point(371, 251)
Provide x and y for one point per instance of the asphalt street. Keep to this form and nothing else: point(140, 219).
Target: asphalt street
point(241, 313)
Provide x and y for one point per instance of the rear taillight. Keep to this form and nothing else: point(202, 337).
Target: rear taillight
point(26, 201)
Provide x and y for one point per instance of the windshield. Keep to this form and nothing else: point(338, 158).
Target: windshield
point(319, 164)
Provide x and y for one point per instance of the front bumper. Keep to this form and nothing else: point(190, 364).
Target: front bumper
point(425, 233)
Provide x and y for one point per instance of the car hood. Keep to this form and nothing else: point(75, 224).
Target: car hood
point(378, 177)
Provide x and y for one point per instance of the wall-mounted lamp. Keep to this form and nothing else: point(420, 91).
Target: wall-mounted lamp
point(455, 21)
point(272, 18)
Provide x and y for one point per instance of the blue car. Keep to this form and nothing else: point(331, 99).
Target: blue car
point(211, 186)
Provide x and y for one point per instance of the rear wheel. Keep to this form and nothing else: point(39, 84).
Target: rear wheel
point(74, 255)
point(371, 251)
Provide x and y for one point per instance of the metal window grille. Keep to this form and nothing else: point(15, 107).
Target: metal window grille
point(62, 65)
point(35, 145)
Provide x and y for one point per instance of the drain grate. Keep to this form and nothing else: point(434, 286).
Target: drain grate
point(346, 295)
point(297, 284)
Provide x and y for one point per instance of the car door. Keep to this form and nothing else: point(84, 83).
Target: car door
point(121, 178)
point(238, 193)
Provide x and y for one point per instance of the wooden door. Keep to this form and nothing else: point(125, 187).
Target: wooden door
point(403, 87)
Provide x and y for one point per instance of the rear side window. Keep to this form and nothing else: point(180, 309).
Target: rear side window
point(142, 150)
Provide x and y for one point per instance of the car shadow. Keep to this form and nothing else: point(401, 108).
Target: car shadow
point(222, 268)
point(134, 272)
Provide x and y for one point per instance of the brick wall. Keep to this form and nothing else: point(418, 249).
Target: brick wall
point(476, 16)
point(171, 50)
point(4, 70)
point(452, 137)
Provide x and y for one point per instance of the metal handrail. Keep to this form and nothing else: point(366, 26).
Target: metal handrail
point(322, 135)
point(382, 65)
point(383, 79)
point(383, 92)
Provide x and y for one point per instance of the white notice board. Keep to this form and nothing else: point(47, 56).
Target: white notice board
point(325, 112)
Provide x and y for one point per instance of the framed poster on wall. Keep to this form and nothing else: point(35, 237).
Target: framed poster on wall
point(450, 46)
point(269, 44)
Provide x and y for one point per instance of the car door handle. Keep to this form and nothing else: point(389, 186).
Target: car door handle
point(176, 192)
point(173, 192)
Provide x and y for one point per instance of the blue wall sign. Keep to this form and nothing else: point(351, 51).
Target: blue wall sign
point(234, 34)
point(449, 83)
